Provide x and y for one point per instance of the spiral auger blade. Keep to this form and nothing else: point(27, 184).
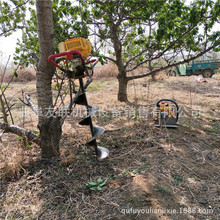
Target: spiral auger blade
point(101, 152)
point(81, 99)
point(91, 111)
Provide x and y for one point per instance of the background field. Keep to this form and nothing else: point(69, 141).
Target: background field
point(149, 168)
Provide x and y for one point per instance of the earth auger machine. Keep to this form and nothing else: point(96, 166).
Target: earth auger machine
point(76, 52)
point(166, 113)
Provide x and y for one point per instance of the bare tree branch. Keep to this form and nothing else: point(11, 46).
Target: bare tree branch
point(59, 89)
point(31, 104)
point(20, 132)
point(34, 56)
point(5, 116)
point(8, 108)
point(111, 59)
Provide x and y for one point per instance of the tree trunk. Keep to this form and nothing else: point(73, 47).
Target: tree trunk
point(49, 125)
point(122, 90)
point(122, 77)
point(150, 69)
point(50, 134)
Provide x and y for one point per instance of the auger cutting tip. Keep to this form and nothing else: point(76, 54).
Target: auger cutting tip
point(102, 153)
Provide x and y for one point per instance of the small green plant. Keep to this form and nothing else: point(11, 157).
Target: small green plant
point(165, 192)
point(186, 125)
point(177, 179)
point(212, 129)
point(145, 163)
point(130, 172)
point(143, 159)
point(23, 141)
point(112, 176)
point(60, 170)
point(96, 185)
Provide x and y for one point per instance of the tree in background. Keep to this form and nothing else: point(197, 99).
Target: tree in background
point(141, 32)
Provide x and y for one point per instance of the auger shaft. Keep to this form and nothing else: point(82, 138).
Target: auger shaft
point(89, 117)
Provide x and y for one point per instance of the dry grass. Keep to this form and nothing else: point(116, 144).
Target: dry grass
point(106, 71)
point(148, 167)
point(11, 163)
point(110, 70)
point(15, 154)
point(24, 75)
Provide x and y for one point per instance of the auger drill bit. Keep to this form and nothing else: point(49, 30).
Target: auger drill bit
point(101, 152)
point(77, 72)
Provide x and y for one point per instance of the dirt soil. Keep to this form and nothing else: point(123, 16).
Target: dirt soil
point(152, 173)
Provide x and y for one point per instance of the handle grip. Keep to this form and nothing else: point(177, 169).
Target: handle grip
point(170, 100)
point(68, 54)
point(95, 61)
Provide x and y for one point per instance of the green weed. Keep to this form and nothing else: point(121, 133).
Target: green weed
point(177, 179)
point(96, 185)
point(165, 192)
point(95, 88)
point(145, 163)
